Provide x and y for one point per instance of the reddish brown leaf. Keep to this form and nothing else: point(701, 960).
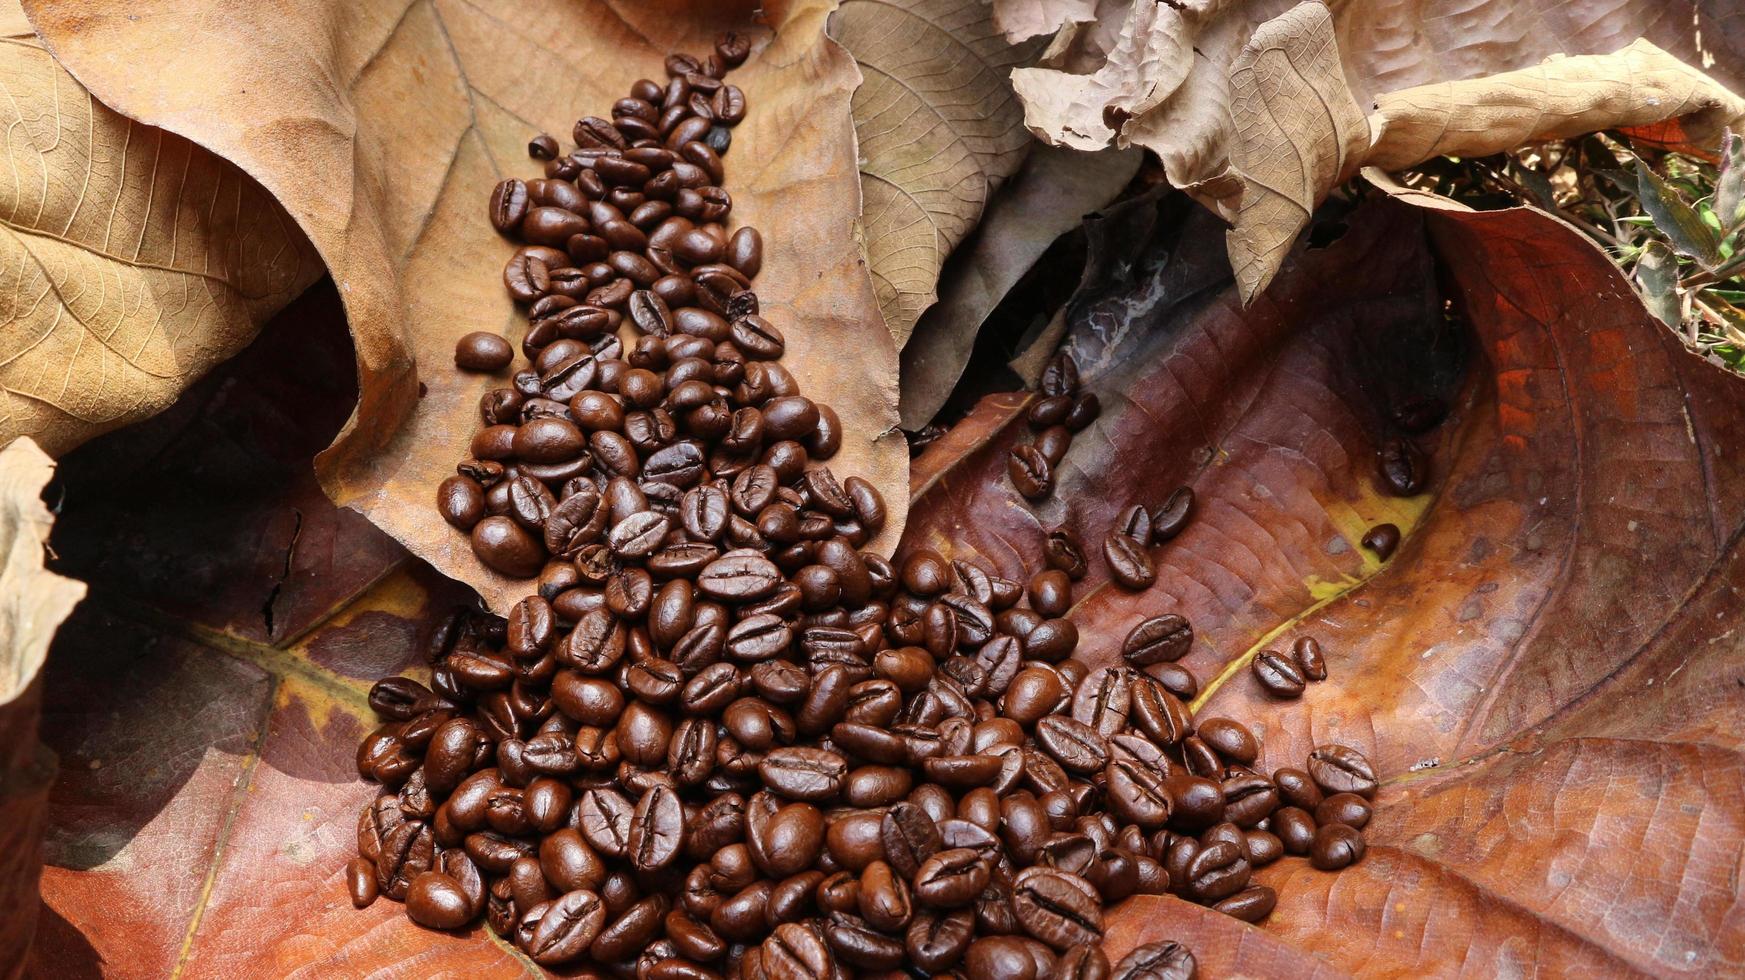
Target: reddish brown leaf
point(1555, 640)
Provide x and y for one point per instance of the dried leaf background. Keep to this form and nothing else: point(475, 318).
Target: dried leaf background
point(1268, 120)
point(388, 171)
point(131, 260)
point(1546, 674)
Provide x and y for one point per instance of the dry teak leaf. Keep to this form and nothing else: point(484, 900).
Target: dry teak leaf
point(135, 260)
point(939, 132)
point(437, 103)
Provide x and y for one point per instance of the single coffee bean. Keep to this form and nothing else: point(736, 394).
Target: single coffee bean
point(1404, 468)
point(1170, 518)
point(1336, 846)
point(1382, 539)
point(482, 351)
point(1031, 473)
point(565, 928)
point(1279, 676)
point(1295, 829)
point(951, 879)
point(436, 901)
point(1346, 808)
point(1307, 654)
point(1059, 909)
point(1341, 769)
point(1230, 739)
point(1166, 960)
point(1130, 565)
point(1157, 640)
point(360, 879)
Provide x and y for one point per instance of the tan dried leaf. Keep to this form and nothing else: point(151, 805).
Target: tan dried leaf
point(33, 600)
point(1638, 86)
point(939, 131)
point(1021, 20)
point(1150, 58)
point(385, 141)
point(131, 260)
point(1299, 133)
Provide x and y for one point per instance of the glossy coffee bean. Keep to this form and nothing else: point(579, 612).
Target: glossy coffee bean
point(482, 351)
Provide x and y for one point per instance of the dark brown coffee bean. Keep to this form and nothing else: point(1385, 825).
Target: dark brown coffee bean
point(565, 928)
point(1336, 846)
point(1341, 769)
point(808, 774)
point(1346, 808)
point(795, 952)
point(436, 901)
point(1076, 746)
point(1139, 793)
point(1217, 871)
point(1130, 565)
point(1297, 788)
point(1170, 518)
point(884, 898)
point(1059, 909)
point(1157, 640)
point(506, 547)
point(1030, 472)
point(858, 944)
point(936, 942)
point(1382, 539)
point(1232, 740)
point(1403, 467)
point(482, 351)
point(1307, 654)
point(657, 828)
point(1277, 674)
point(360, 879)
point(1166, 960)
point(739, 577)
point(509, 204)
point(952, 878)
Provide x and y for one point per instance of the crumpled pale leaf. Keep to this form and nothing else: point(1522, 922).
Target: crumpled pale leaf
point(1047, 198)
point(389, 170)
point(1151, 57)
point(133, 260)
point(33, 603)
point(1463, 84)
point(1299, 133)
point(939, 132)
point(1020, 20)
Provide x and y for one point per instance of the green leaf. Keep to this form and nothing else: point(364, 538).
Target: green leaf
point(1657, 281)
point(1730, 183)
point(1675, 219)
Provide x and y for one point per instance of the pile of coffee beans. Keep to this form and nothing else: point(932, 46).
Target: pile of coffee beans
point(718, 739)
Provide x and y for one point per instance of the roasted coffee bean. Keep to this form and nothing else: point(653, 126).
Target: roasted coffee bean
point(1340, 769)
point(1346, 808)
point(482, 351)
point(1059, 909)
point(1168, 520)
point(657, 829)
point(936, 942)
point(1277, 674)
point(1030, 472)
point(1382, 539)
point(1336, 846)
point(1164, 960)
point(1307, 655)
point(857, 943)
point(1230, 739)
point(806, 774)
point(909, 837)
point(1218, 871)
point(1130, 565)
point(1403, 467)
point(565, 927)
point(1075, 745)
point(951, 878)
point(1157, 640)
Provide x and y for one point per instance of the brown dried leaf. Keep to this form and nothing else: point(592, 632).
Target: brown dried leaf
point(388, 171)
point(134, 260)
point(939, 132)
point(1548, 664)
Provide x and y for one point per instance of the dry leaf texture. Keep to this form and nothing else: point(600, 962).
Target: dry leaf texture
point(131, 260)
point(385, 138)
point(939, 131)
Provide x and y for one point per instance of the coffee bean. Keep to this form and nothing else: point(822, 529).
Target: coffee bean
point(565, 928)
point(1279, 676)
point(1232, 740)
point(1340, 769)
point(1404, 468)
point(1170, 518)
point(482, 351)
point(1130, 565)
point(1074, 744)
point(1031, 473)
point(1382, 539)
point(909, 837)
point(435, 901)
point(1307, 654)
point(1346, 808)
point(936, 942)
point(1165, 960)
point(1158, 639)
point(1059, 909)
point(360, 878)
point(1336, 846)
point(803, 773)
